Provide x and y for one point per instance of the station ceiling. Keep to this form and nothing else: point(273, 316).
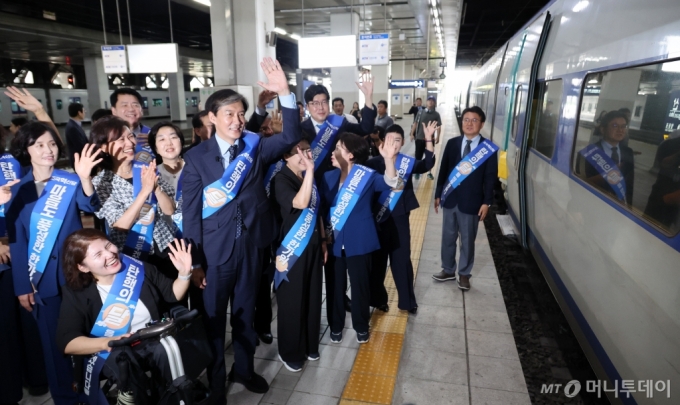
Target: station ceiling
point(52, 30)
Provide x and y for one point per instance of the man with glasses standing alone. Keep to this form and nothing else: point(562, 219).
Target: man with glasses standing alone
point(322, 130)
point(465, 182)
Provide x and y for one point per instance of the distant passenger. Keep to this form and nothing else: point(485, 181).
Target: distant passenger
point(607, 164)
point(416, 108)
point(375, 140)
point(339, 109)
point(76, 138)
point(663, 205)
point(547, 127)
point(17, 123)
point(99, 114)
point(356, 111)
point(383, 119)
point(301, 107)
point(464, 191)
point(126, 104)
point(424, 117)
point(202, 129)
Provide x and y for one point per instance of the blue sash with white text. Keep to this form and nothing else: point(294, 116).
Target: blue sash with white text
point(271, 172)
point(348, 196)
point(11, 170)
point(389, 198)
point(177, 216)
point(114, 319)
point(609, 170)
point(46, 220)
point(324, 139)
point(142, 147)
point(296, 239)
point(467, 165)
point(224, 190)
point(140, 238)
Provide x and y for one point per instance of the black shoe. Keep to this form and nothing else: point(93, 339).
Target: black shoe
point(363, 337)
point(292, 366)
point(413, 310)
point(384, 308)
point(38, 391)
point(266, 338)
point(444, 276)
point(348, 304)
point(256, 383)
point(313, 356)
point(336, 337)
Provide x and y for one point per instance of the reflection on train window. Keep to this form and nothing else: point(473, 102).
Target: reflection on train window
point(547, 117)
point(194, 101)
point(634, 158)
point(187, 102)
point(516, 113)
point(158, 102)
point(60, 104)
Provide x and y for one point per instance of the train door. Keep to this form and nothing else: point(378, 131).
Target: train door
point(516, 84)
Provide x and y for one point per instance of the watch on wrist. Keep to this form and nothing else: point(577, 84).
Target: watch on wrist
point(185, 278)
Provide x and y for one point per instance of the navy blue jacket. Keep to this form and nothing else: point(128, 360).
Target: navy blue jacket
point(213, 238)
point(75, 139)
point(18, 214)
point(408, 201)
point(358, 235)
point(365, 128)
point(476, 189)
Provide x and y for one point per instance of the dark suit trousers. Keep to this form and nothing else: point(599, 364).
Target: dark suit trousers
point(299, 307)
point(58, 366)
point(263, 305)
point(420, 149)
point(395, 242)
point(10, 346)
point(236, 280)
point(329, 284)
point(359, 269)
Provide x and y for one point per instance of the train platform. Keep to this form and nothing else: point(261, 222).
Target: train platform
point(458, 349)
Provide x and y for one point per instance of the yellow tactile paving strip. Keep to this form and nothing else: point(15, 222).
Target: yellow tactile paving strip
point(374, 374)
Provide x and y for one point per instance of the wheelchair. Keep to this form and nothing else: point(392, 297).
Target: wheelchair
point(147, 385)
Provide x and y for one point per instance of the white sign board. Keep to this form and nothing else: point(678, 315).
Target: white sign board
point(325, 52)
point(374, 49)
point(396, 99)
point(155, 58)
point(407, 99)
point(115, 59)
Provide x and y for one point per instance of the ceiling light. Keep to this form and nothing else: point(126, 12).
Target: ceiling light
point(580, 6)
point(434, 3)
point(592, 81)
point(435, 12)
point(295, 36)
point(280, 31)
point(204, 2)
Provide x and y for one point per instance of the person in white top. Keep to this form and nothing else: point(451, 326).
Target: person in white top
point(339, 109)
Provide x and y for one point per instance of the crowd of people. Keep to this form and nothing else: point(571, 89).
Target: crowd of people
point(211, 225)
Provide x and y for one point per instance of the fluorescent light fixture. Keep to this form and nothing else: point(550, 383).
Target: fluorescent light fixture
point(671, 67)
point(204, 2)
point(435, 12)
point(580, 6)
point(295, 37)
point(326, 52)
point(280, 31)
point(592, 81)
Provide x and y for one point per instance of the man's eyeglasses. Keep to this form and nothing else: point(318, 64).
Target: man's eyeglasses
point(318, 104)
point(616, 127)
point(469, 120)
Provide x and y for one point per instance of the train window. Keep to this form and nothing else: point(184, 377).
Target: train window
point(187, 100)
point(634, 158)
point(515, 114)
point(158, 102)
point(545, 126)
point(60, 104)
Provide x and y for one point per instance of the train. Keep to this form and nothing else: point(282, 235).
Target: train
point(603, 228)
point(156, 104)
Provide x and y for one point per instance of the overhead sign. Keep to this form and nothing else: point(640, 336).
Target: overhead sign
point(115, 59)
point(407, 84)
point(374, 49)
point(153, 58)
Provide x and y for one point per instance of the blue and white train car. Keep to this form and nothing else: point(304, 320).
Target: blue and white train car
point(605, 233)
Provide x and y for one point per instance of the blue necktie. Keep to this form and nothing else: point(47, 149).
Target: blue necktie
point(239, 217)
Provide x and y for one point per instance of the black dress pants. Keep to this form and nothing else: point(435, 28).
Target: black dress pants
point(420, 149)
point(395, 241)
point(359, 269)
point(299, 307)
point(263, 305)
point(329, 277)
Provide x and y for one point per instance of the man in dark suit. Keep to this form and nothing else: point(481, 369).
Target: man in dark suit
point(613, 127)
point(228, 242)
point(468, 203)
point(394, 233)
point(76, 138)
point(317, 100)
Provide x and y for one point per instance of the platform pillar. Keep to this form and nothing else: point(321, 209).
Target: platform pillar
point(97, 84)
point(343, 79)
point(178, 108)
